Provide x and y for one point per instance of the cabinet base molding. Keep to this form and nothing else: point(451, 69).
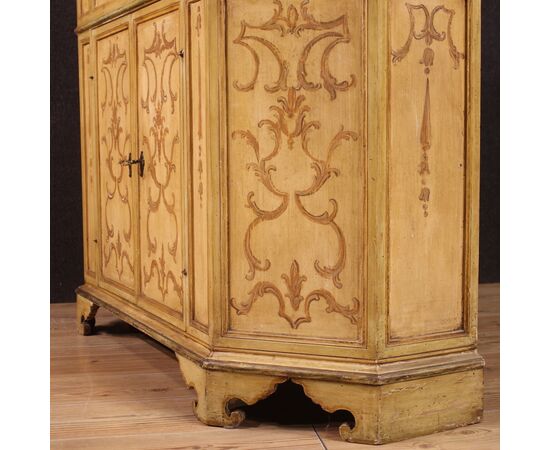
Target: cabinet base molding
point(389, 401)
point(382, 414)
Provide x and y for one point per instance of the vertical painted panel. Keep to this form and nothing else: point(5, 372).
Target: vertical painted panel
point(296, 168)
point(118, 263)
point(196, 35)
point(426, 168)
point(161, 189)
point(89, 165)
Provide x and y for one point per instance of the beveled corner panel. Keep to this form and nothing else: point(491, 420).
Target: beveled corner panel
point(89, 161)
point(116, 194)
point(162, 221)
point(197, 75)
point(427, 169)
point(296, 174)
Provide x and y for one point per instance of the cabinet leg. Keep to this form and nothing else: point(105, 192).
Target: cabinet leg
point(402, 410)
point(215, 390)
point(85, 315)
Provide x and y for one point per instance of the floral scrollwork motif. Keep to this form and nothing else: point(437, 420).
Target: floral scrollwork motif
point(290, 121)
point(294, 23)
point(323, 172)
point(290, 129)
point(116, 142)
point(429, 34)
point(294, 282)
point(160, 147)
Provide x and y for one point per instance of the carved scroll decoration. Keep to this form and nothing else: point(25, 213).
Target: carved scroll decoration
point(116, 142)
point(429, 34)
point(294, 23)
point(158, 61)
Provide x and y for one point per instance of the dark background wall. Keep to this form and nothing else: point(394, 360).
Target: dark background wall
point(65, 189)
point(489, 202)
point(66, 266)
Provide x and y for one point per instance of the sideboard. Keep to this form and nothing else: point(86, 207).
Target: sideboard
point(288, 190)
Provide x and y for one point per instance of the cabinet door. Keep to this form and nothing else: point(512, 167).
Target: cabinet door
point(118, 256)
point(159, 134)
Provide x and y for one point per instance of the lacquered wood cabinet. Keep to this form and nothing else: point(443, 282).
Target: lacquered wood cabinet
point(289, 190)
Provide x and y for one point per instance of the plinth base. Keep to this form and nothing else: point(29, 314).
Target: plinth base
point(389, 401)
point(383, 413)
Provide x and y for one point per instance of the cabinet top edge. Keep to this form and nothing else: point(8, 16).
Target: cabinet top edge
point(108, 12)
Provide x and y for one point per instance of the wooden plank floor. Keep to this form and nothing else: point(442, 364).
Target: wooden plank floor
point(119, 389)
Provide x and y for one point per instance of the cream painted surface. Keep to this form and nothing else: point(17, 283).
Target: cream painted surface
point(296, 161)
point(197, 70)
point(426, 243)
point(161, 193)
point(118, 259)
point(89, 164)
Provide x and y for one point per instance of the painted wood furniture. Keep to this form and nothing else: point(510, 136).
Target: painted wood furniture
point(288, 189)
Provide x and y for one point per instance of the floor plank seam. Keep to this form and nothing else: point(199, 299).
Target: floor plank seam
point(319, 437)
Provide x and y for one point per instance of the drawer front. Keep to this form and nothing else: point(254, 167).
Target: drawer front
point(296, 170)
point(117, 193)
point(163, 243)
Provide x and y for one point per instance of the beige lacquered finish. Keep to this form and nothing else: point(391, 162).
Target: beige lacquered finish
point(427, 234)
point(160, 137)
point(308, 202)
point(114, 136)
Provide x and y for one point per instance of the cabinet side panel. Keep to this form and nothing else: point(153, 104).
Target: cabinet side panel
point(196, 58)
point(89, 164)
point(426, 168)
point(118, 263)
point(296, 160)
